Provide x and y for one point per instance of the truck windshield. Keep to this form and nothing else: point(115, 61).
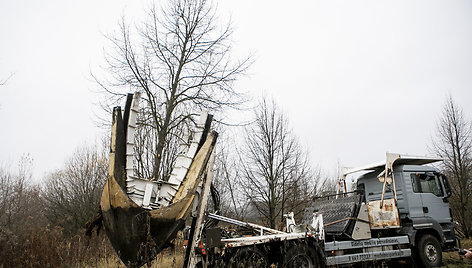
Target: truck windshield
point(425, 183)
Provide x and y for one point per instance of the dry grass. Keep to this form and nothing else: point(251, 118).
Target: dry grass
point(169, 258)
point(50, 248)
point(452, 259)
point(166, 259)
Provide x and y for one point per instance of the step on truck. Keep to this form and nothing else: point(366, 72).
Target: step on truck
point(399, 211)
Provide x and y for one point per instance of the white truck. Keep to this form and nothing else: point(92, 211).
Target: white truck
point(399, 211)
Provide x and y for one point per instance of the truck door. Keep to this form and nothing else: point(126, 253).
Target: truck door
point(428, 187)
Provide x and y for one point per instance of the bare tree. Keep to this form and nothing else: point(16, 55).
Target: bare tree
point(21, 205)
point(277, 176)
point(227, 175)
point(72, 193)
point(180, 59)
point(453, 143)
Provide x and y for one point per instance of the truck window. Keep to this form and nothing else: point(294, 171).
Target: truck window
point(423, 183)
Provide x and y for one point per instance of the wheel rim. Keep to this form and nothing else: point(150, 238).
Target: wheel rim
point(431, 253)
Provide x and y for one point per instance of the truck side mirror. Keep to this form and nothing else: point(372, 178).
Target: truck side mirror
point(447, 187)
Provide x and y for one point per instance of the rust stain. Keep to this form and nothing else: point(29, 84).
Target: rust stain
point(371, 219)
point(383, 217)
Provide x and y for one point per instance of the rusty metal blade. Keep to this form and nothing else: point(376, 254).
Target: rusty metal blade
point(137, 234)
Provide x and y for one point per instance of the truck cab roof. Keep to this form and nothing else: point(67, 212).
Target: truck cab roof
point(399, 168)
point(393, 160)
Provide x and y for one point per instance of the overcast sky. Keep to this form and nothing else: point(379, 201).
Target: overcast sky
point(357, 78)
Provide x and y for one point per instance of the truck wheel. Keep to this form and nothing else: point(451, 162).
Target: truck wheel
point(300, 256)
point(248, 257)
point(429, 251)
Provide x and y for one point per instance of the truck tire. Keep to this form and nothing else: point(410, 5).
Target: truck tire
point(301, 255)
point(428, 251)
point(248, 257)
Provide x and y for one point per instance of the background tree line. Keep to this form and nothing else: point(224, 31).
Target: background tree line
point(42, 224)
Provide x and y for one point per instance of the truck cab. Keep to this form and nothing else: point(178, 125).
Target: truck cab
point(419, 195)
point(422, 194)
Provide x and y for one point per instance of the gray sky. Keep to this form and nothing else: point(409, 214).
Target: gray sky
point(357, 78)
